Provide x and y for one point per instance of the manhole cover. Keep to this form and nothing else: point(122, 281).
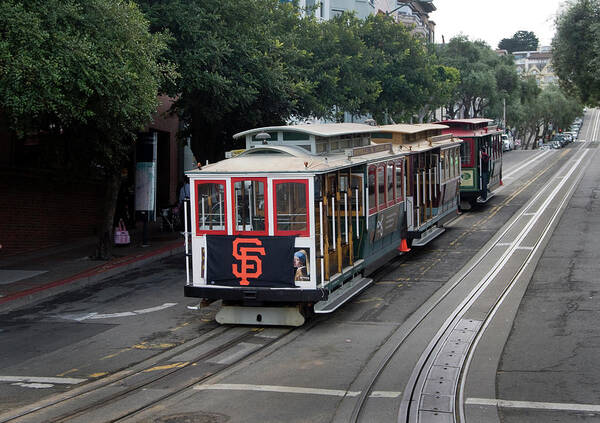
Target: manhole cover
point(192, 418)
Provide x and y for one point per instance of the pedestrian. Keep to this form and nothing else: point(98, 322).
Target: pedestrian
point(485, 172)
point(184, 194)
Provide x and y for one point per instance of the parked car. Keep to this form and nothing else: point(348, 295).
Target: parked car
point(508, 143)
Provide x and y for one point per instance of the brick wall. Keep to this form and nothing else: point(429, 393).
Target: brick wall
point(40, 210)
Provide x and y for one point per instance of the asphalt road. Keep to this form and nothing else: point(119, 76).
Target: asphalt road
point(549, 358)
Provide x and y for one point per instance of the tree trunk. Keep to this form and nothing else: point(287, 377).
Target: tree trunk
point(105, 228)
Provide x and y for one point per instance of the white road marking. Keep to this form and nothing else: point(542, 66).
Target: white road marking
point(292, 390)
point(157, 308)
point(95, 316)
point(552, 406)
point(35, 379)
point(33, 385)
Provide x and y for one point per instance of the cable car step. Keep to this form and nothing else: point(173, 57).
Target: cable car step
point(428, 236)
point(482, 201)
point(342, 294)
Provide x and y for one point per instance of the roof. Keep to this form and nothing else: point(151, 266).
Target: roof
point(427, 5)
point(465, 133)
point(410, 129)
point(286, 159)
point(321, 130)
point(474, 121)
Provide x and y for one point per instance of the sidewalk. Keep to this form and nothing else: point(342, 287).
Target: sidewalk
point(30, 277)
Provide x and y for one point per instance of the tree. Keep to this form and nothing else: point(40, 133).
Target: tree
point(339, 66)
point(520, 41)
point(87, 70)
point(576, 50)
point(412, 81)
point(485, 77)
point(237, 61)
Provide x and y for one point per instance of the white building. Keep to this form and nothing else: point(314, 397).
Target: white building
point(413, 13)
point(538, 64)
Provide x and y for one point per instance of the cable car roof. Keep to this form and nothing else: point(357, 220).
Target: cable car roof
point(291, 159)
point(406, 128)
point(320, 130)
point(473, 121)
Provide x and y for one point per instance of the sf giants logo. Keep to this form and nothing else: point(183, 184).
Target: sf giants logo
point(251, 265)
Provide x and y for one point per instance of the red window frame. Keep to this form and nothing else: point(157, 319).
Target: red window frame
point(226, 220)
point(372, 171)
point(471, 142)
point(381, 204)
point(235, 231)
point(391, 196)
point(304, 233)
point(399, 195)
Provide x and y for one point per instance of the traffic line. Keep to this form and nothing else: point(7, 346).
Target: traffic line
point(292, 390)
point(547, 406)
point(34, 379)
point(96, 316)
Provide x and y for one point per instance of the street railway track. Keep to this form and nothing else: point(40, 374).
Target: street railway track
point(95, 398)
point(453, 343)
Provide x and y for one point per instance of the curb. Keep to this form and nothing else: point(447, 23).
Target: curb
point(88, 277)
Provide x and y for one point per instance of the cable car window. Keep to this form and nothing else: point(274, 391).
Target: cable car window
point(291, 207)
point(390, 174)
point(443, 165)
point(466, 153)
point(250, 208)
point(372, 191)
point(356, 183)
point(399, 181)
point(381, 187)
point(210, 198)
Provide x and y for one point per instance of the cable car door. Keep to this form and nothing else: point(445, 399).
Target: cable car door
point(337, 227)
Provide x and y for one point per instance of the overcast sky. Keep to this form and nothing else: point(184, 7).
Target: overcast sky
point(492, 20)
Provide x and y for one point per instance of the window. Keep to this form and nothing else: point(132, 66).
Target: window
point(390, 174)
point(250, 206)
point(466, 152)
point(399, 181)
point(211, 207)
point(291, 207)
point(380, 187)
point(372, 191)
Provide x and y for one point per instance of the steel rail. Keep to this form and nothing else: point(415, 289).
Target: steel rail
point(416, 382)
point(359, 405)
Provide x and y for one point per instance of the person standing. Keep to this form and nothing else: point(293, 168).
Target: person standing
point(184, 194)
point(485, 173)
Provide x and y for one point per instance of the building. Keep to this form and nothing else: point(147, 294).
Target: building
point(537, 64)
point(412, 13)
point(45, 202)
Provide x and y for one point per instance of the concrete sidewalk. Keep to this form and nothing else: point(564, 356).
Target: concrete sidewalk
point(30, 277)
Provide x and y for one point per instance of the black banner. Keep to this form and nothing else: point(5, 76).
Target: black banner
point(250, 261)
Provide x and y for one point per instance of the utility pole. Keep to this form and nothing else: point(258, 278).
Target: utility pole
point(504, 113)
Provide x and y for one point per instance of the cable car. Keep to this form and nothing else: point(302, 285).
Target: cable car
point(477, 135)
point(288, 226)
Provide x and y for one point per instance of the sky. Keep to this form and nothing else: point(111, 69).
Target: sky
point(493, 20)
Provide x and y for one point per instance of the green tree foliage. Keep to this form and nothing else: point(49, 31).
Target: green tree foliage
point(520, 41)
point(485, 78)
point(412, 82)
point(260, 62)
point(238, 65)
point(576, 50)
point(339, 66)
point(86, 70)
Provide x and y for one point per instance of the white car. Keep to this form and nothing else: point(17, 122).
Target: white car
point(508, 143)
